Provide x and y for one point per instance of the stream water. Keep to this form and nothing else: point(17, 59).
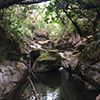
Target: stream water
point(56, 86)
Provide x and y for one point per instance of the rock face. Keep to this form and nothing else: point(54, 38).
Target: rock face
point(89, 64)
point(48, 61)
point(11, 73)
point(9, 46)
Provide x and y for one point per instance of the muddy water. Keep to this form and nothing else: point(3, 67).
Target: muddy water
point(56, 86)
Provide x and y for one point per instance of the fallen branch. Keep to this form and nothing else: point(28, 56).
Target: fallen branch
point(33, 87)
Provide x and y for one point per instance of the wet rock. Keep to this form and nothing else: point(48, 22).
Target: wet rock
point(98, 97)
point(48, 61)
point(11, 73)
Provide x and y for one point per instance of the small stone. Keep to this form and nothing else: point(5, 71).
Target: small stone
point(98, 97)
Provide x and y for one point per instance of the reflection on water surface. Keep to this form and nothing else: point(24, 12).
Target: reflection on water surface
point(50, 94)
point(55, 86)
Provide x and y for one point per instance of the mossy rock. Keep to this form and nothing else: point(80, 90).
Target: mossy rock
point(48, 61)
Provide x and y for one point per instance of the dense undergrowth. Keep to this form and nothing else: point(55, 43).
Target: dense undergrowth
point(53, 18)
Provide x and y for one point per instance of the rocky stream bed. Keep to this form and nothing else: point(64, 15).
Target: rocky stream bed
point(76, 73)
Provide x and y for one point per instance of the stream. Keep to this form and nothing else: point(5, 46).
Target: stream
point(56, 86)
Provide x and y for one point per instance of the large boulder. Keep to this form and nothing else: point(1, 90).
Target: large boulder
point(48, 61)
point(11, 76)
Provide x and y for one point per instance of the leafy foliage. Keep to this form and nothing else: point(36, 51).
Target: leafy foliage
point(81, 13)
point(73, 16)
point(26, 20)
point(15, 20)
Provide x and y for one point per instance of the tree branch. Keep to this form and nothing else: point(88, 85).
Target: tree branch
point(74, 23)
point(7, 3)
point(32, 2)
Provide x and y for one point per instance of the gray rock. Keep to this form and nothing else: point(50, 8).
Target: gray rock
point(10, 74)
